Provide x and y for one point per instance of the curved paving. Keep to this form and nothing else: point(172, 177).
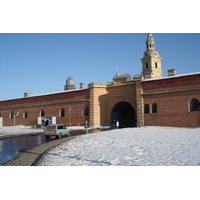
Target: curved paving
point(32, 156)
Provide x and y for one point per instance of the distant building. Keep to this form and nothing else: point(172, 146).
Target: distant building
point(147, 99)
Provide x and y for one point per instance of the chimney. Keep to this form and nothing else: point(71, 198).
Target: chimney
point(82, 85)
point(171, 72)
point(27, 94)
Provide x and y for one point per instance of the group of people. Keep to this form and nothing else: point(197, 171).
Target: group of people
point(115, 124)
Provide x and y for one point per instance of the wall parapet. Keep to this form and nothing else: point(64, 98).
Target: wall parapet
point(171, 91)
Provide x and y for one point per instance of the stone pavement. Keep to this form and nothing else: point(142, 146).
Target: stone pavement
point(30, 157)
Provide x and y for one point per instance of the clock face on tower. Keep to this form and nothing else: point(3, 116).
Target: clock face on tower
point(71, 82)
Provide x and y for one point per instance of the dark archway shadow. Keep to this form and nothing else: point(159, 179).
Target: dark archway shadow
point(125, 114)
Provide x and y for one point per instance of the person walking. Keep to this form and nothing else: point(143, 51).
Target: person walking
point(117, 124)
point(47, 123)
point(86, 126)
point(114, 124)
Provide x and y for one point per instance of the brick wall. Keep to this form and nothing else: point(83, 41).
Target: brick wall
point(51, 104)
point(172, 97)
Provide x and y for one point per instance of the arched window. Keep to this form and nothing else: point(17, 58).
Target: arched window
point(147, 66)
point(25, 114)
point(62, 112)
point(154, 108)
point(85, 111)
point(41, 113)
point(11, 115)
point(146, 108)
point(156, 65)
point(194, 105)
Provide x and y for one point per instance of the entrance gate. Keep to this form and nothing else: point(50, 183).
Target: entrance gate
point(125, 114)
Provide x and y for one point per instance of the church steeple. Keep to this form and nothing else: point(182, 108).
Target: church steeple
point(150, 43)
point(151, 61)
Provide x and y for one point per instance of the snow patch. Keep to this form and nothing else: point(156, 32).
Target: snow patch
point(148, 146)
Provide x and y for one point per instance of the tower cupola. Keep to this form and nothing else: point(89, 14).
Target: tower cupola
point(150, 43)
point(70, 84)
point(151, 61)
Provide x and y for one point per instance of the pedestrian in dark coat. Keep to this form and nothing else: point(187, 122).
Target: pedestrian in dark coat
point(47, 122)
point(114, 124)
point(86, 126)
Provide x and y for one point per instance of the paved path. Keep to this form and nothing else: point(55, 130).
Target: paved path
point(32, 156)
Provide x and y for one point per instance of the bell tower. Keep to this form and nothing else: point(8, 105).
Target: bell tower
point(151, 61)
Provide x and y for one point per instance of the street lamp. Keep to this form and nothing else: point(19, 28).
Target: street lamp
point(14, 114)
point(139, 114)
point(70, 109)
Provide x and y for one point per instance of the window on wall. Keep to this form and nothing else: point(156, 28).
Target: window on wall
point(11, 115)
point(194, 105)
point(146, 108)
point(154, 108)
point(25, 114)
point(147, 66)
point(62, 112)
point(41, 113)
point(156, 65)
point(85, 111)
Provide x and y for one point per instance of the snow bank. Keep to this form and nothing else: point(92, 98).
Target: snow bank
point(148, 146)
point(18, 130)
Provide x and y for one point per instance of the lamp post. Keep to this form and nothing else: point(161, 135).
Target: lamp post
point(139, 114)
point(14, 114)
point(70, 109)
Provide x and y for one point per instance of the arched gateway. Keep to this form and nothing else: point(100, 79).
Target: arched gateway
point(124, 113)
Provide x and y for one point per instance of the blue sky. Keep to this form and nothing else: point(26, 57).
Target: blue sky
point(40, 63)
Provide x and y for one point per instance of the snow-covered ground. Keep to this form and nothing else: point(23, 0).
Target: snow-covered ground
point(16, 130)
point(147, 146)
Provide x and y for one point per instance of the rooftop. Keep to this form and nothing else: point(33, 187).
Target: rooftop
point(172, 77)
point(61, 92)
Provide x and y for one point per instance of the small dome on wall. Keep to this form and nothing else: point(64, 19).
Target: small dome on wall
point(70, 84)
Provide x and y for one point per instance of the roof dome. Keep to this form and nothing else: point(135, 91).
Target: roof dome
point(70, 84)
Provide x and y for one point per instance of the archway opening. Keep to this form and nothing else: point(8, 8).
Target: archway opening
point(125, 114)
